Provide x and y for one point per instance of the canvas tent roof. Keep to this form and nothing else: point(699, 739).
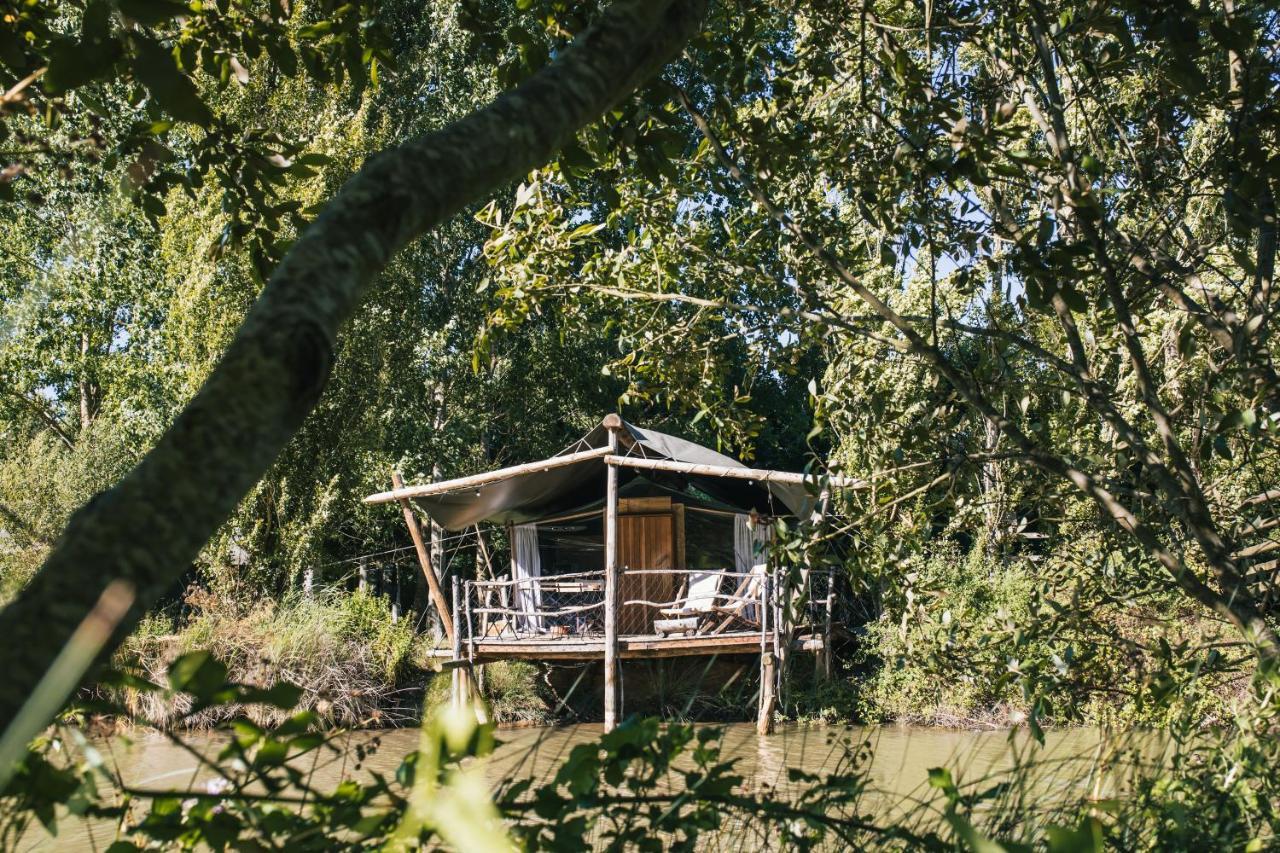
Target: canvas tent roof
point(539, 494)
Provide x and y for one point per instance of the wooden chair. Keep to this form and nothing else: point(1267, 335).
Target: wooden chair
point(747, 596)
point(694, 608)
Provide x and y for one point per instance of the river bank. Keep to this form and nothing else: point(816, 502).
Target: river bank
point(358, 668)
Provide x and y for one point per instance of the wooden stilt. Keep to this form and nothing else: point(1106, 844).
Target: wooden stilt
point(459, 684)
point(764, 722)
point(826, 636)
point(475, 693)
point(764, 714)
point(612, 685)
point(435, 543)
point(428, 572)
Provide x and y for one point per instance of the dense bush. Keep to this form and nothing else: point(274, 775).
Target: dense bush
point(918, 652)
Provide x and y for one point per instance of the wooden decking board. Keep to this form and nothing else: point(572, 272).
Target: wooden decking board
point(628, 647)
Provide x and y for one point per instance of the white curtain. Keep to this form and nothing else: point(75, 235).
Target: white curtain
point(750, 549)
point(528, 570)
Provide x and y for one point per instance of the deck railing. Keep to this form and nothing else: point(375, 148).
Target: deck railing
point(650, 601)
point(553, 605)
point(572, 605)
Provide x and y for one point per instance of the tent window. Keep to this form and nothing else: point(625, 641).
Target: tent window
point(708, 541)
point(572, 546)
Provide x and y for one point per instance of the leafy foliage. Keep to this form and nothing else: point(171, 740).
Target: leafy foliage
point(1011, 264)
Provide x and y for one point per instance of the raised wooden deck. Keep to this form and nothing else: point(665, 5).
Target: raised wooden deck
point(629, 647)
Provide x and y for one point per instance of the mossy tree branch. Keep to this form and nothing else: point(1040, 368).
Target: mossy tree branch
point(148, 528)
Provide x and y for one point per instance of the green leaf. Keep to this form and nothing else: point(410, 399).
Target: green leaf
point(585, 230)
point(282, 695)
point(1085, 838)
point(281, 53)
point(152, 12)
point(271, 754)
point(73, 64)
point(1238, 419)
point(315, 31)
point(198, 673)
point(155, 68)
point(940, 778)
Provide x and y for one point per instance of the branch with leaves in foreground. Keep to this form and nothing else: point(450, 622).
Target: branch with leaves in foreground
point(148, 528)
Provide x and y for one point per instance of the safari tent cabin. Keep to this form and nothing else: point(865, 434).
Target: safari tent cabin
point(628, 543)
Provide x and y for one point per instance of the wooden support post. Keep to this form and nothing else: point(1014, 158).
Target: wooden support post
point(459, 683)
point(308, 582)
point(436, 548)
point(468, 629)
point(764, 716)
point(487, 562)
point(764, 722)
point(395, 592)
point(475, 693)
point(363, 583)
point(612, 686)
point(826, 633)
point(783, 607)
point(511, 546)
point(433, 583)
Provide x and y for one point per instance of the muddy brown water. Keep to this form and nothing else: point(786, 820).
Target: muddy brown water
point(1066, 767)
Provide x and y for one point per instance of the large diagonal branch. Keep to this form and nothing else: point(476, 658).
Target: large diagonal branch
point(152, 524)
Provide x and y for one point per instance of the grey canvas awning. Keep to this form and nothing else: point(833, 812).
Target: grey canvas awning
point(538, 494)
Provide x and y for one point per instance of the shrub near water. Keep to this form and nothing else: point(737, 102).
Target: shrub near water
point(354, 665)
point(953, 604)
point(974, 640)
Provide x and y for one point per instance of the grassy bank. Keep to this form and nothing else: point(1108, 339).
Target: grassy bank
point(355, 666)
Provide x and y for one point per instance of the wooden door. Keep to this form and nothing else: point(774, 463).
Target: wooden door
point(644, 542)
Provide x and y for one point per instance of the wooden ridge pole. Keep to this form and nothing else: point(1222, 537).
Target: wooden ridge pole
point(763, 475)
point(424, 560)
point(612, 693)
point(401, 491)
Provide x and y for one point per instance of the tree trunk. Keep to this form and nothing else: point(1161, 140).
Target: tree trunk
point(88, 389)
point(992, 491)
point(148, 528)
